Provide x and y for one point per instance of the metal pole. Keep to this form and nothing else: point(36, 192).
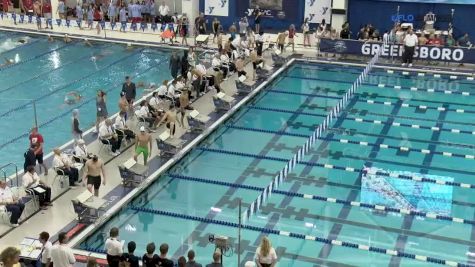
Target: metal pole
point(239, 233)
point(34, 111)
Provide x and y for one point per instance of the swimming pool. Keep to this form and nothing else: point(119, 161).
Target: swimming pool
point(404, 131)
point(46, 71)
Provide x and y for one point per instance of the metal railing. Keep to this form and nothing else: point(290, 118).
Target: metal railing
point(2, 169)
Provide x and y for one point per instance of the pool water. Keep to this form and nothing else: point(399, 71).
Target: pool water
point(45, 72)
point(200, 195)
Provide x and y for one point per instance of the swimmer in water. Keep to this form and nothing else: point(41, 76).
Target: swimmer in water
point(7, 62)
point(22, 41)
point(67, 39)
point(50, 38)
point(72, 98)
point(87, 42)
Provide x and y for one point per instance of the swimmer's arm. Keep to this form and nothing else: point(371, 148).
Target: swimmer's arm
point(103, 171)
point(86, 167)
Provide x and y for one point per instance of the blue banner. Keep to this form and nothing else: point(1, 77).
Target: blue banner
point(439, 53)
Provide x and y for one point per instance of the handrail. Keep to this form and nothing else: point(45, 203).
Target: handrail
point(2, 168)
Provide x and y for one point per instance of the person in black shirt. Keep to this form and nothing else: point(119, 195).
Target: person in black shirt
point(162, 259)
point(30, 158)
point(174, 65)
point(129, 258)
point(257, 18)
point(129, 89)
point(150, 259)
point(185, 65)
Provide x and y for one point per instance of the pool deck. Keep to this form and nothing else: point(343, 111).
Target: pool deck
point(64, 218)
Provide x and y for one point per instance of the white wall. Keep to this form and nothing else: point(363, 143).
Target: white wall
point(192, 9)
point(338, 20)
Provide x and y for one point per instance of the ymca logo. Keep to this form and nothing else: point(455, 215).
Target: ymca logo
point(324, 10)
point(210, 10)
point(311, 16)
point(311, 2)
point(265, 12)
point(223, 2)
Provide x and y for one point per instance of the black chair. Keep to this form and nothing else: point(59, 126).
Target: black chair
point(130, 178)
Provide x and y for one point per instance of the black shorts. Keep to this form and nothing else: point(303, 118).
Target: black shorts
point(94, 180)
point(130, 100)
point(39, 158)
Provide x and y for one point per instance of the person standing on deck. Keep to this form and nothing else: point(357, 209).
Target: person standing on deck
point(174, 65)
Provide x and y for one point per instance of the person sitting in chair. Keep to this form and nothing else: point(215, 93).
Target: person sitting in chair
point(11, 203)
point(80, 152)
point(32, 183)
point(107, 136)
point(63, 165)
point(121, 128)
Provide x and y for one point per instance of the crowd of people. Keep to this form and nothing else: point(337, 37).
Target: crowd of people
point(60, 254)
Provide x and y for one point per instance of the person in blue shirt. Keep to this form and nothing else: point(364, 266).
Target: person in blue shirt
point(112, 12)
point(464, 41)
point(122, 17)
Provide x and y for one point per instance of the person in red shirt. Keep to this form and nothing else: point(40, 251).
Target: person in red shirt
point(27, 7)
point(36, 140)
point(47, 10)
point(5, 5)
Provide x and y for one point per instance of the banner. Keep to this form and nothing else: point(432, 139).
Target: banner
point(439, 53)
point(317, 10)
point(217, 8)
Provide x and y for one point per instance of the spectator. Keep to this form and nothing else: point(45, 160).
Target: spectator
point(292, 35)
point(61, 10)
point(101, 108)
point(80, 152)
point(450, 41)
point(200, 24)
point(113, 247)
point(216, 260)
point(464, 41)
point(181, 261)
point(174, 64)
point(122, 18)
point(163, 89)
point(265, 254)
point(162, 259)
point(185, 65)
point(183, 29)
point(121, 128)
point(62, 163)
point(10, 256)
point(260, 43)
point(46, 246)
point(129, 257)
point(30, 159)
point(36, 140)
point(410, 42)
point(77, 132)
point(108, 136)
point(257, 19)
point(112, 12)
point(163, 10)
point(216, 24)
point(422, 40)
point(243, 25)
point(345, 31)
point(150, 259)
point(61, 254)
point(11, 203)
point(145, 114)
point(306, 32)
point(93, 174)
point(281, 41)
point(191, 260)
point(31, 182)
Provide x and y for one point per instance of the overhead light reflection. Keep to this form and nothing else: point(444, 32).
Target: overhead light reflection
point(54, 58)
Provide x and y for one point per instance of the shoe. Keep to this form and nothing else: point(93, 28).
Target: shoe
point(410, 65)
point(14, 225)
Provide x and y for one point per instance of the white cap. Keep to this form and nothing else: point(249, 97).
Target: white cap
point(249, 264)
point(142, 129)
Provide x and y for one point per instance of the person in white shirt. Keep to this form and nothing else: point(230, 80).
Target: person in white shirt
point(265, 254)
point(113, 248)
point(410, 42)
point(46, 246)
point(121, 128)
point(163, 10)
point(32, 183)
point(63, 165)
point(156, 102)
point(61, 254)
point(10, 203)
point(145, 114)
point(173, 93)
point(80, 151)
point(107, 135)
point(162, 90)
